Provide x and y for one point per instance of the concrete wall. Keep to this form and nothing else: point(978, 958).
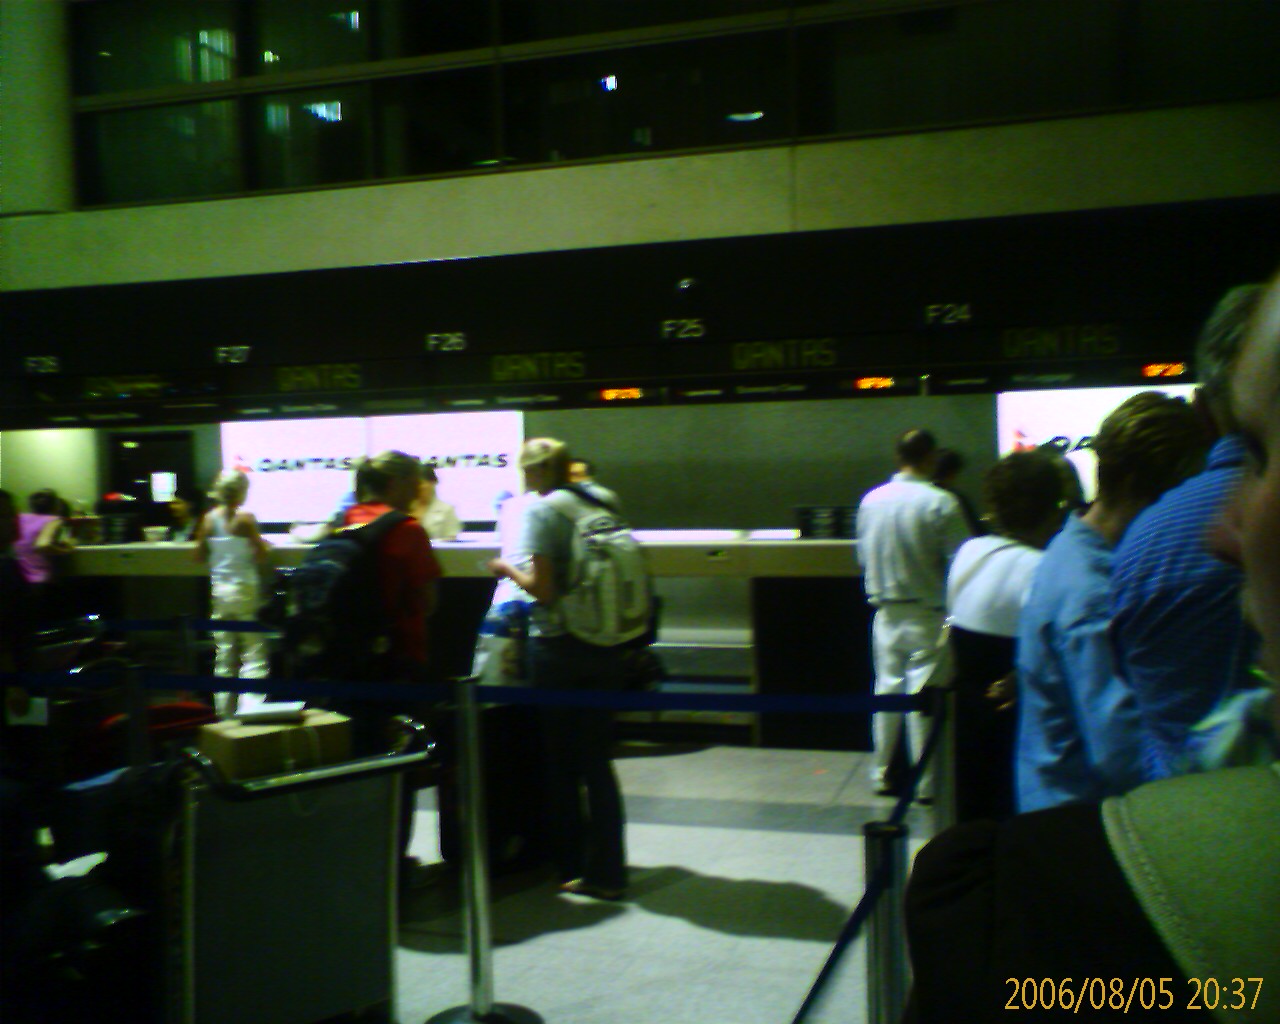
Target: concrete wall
point(66, 460)
point(1202, 152)
point(727, 466)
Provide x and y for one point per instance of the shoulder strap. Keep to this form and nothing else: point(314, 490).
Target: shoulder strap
point(972, 571)
point(569, 502)
point(590, 498)
point(1200, 852)
point(372, 532)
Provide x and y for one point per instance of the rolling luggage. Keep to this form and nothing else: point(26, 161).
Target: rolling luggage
point(512, 767)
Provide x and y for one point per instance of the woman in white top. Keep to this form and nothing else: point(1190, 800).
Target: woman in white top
point(986, 587)
point(228, 541)
point(438, 518)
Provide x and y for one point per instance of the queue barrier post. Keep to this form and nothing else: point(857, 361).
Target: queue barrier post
point(886, 855)
point(945, 784)
point(477, 931)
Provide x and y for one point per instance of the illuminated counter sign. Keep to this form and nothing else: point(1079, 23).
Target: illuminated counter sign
point(873, 383)
point(148, 386)
point(621, 394)
point(1164, 369)
point(320, 377)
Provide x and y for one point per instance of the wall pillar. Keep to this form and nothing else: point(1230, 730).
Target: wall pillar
point(37, 169)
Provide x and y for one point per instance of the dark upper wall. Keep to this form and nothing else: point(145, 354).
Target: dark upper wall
point(1085, 297)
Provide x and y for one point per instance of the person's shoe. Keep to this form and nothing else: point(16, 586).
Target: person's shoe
point(581, 887)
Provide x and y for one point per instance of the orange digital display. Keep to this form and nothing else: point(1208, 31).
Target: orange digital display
point(620, 394)
point(873, 383)
point(1164, 369)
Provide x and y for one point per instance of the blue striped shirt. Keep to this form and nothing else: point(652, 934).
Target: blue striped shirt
point(1177, 632)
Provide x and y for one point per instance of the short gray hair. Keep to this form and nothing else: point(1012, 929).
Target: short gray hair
point(1221, 337)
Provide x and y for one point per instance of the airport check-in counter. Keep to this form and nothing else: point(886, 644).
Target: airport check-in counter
point(742, 611)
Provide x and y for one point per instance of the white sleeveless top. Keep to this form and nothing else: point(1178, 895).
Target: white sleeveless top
point(231, 560)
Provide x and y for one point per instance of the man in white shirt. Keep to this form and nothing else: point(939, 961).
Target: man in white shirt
point(908, 532)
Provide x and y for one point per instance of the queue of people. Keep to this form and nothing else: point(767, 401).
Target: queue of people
point(1087, 645)
point(1090, 648)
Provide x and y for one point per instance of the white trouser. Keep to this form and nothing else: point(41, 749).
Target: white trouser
point(904, 646)
point(237, 654)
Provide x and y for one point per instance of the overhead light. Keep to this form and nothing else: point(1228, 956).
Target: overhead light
point(609, 83)
point(754, 115)
point(325, 111)
point(270, 58)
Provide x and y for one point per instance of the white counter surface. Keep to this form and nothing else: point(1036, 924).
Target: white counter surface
point(672, 553)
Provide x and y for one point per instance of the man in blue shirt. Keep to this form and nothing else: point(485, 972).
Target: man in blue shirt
point(1179, 638)
point(1078, 730)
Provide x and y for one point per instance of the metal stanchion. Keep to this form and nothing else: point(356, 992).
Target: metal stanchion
point(477, 934)
point(944, 808)
point(886, 853)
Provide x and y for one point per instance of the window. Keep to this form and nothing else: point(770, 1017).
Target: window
point(213, 97)
point(433, 124)
point(312, 137)
point(144, 44)
point(729, 91)
point(159, 153)
point(305, 34)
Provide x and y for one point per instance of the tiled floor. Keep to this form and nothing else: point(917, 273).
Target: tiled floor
point(745, 864)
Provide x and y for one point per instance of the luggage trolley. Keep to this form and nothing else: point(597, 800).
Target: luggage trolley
point(280, 893)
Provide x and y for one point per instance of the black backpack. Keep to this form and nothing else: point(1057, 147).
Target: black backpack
point(335, 624)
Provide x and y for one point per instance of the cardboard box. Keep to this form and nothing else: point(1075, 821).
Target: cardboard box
point(252, 751)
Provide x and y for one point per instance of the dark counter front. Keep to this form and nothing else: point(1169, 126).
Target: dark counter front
point(812, 636)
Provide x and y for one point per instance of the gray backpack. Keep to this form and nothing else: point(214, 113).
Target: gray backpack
point(608, 599)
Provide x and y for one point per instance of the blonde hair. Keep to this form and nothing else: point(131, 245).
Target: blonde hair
point(374, 476)
point(230, 487)
point(548, 459)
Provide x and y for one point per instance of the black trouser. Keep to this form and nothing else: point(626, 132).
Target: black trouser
point(984, 735)
point(586, 837)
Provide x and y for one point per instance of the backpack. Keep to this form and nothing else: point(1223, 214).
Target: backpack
point(607, 601)
point(335, 624)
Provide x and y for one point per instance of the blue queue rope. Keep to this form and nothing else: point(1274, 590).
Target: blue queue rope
point(526, 695)
point(877, 884)
point(619, 701)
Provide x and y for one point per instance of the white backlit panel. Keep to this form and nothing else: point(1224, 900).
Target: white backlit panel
point(475, 454)
point(300, 470)
point(1028, 419)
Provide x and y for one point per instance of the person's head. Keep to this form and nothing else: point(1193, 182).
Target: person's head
point(1148, 443)
point(1072, 488)
point(1219, 346)
point(1249, 531)
point(545, 464)
point(183, 505)
point(947, 465)
point(390, 477)
point(45, 502)
point(230, 487)
point(581, 471)
point(1027, 495)
point(430, 480)
point(917, 451)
